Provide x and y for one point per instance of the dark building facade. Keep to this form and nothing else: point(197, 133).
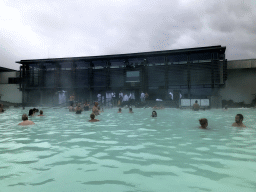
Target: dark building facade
point(190, 73)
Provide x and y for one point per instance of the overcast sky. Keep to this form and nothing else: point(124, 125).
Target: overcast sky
point(57, 28)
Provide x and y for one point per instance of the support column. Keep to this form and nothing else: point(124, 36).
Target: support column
point(188, 76)
point(57, 76)
point(41, 97)
point(144, 71)
point(212, 71)
point(166, 79)
point(22, 76)
point(108, 88)
point(91, 81)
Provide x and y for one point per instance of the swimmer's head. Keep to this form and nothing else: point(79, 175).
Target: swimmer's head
point(24, 117)
point(239, 118)
point(203, 122)
point(41, 112)
point(92, 116)
point(154, 114)
point(226, 107)
point(130, 109)
point(119, 109)
point(196, 101)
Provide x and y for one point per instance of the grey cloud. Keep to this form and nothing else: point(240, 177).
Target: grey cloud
point(84, 28)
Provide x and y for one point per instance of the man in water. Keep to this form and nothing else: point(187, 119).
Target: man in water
point(130, 110)
point(78, 109)
point(154, 114)
point(203, 122)
point(95, 109)
point(93, 118)
point(71, 108)
point(239, 121)
point(195, 106)
point(119, 110)
point(86, 106)
point(72, 99)
point(26, 121)
point(41, 113)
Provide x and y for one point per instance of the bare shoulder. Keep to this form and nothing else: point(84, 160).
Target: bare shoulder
point(27, 123)
point(95, 120)
point(31, 123)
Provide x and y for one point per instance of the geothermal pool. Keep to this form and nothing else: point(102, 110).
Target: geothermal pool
point(64, 152)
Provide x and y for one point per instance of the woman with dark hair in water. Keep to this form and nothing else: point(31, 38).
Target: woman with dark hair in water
point(119, 110)
point(154, 114)
point(31, 112)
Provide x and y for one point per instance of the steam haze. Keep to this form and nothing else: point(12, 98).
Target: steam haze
point(54, 29)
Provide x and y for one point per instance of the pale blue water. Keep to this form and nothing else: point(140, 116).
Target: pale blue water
point(64, 152)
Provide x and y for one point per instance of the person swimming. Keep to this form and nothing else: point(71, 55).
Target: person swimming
point(78, 109)
point(31, 113)
point(203, 122)
point(70, 108)
point(41, 113)
point(239, 121)
point(195, 106)
point(92, 116)
point(35, 110)
point(86, 106)
point(154, 114)
point(26, 121)
point(119, 110)
point(95, 109)
point(130, 110)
